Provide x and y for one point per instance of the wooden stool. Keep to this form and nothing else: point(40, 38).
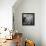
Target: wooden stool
point(29, 43)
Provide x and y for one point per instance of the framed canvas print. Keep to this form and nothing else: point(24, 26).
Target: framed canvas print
point(28, 18)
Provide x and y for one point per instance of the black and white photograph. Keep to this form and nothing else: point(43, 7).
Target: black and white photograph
point(28, 18)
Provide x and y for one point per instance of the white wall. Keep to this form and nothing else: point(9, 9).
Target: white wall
point(43, 22)
point(6, 13)
point(30, 32)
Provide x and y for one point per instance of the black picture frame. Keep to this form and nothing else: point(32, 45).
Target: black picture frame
point(28, 18)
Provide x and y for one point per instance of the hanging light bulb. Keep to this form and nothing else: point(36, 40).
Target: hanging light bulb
point(16, 31)
point(26, 38)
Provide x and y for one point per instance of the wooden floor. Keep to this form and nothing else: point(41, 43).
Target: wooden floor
point(9, 43)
